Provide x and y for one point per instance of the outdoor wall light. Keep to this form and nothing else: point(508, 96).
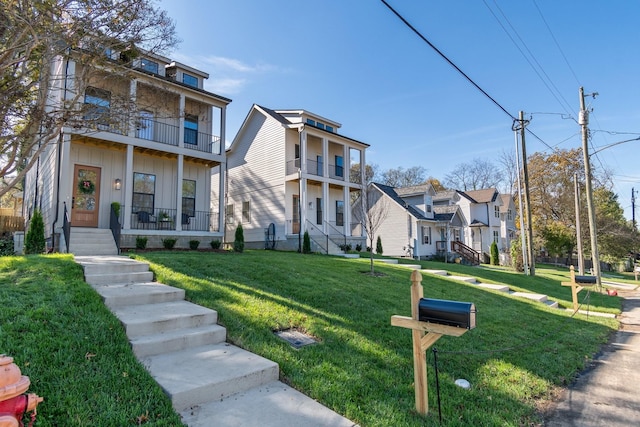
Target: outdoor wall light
point(117, 184)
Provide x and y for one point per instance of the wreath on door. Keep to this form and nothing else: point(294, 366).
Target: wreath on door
point(86, 187)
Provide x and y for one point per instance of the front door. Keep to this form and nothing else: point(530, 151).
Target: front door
point(86, 196)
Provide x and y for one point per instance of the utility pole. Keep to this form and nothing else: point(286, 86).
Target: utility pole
point(578, 229)
point(532, 261)
point(583, 121)
point(633, 208)
point(523, 240)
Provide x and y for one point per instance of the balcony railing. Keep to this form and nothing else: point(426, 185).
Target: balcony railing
point(153, 130)
point(336, 172)
point(201, 141)
point(165, 219)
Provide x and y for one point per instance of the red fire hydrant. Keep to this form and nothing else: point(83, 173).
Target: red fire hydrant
point(13, 404)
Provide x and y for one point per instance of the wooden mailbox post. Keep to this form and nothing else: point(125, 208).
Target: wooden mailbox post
point(424, 334)
point(577, 284)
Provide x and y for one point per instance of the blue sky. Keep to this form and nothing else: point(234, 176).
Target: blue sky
point(356, 63)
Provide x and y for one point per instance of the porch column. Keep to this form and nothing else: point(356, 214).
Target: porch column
point(325, 158)
point(181, 121)
point(179, 193)
point(325, 206)
point(223, 130)
point(128, 188)
point(66, 176)
point(222, 176)
point(347, 211)
point(303, 153)
point(303, 204)
point(133, 116)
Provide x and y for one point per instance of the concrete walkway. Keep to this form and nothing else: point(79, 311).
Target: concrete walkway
point(608, 393)
point(209, 381)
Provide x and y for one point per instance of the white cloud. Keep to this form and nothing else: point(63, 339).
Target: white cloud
point(225, 85)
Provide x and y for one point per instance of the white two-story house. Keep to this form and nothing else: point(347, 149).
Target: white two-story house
point(290, 171)
point(482, 209)
point(142, 136)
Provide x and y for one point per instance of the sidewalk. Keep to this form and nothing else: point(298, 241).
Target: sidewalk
point(608, 394)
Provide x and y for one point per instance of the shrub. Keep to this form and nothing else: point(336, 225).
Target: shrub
point(358, 247)
point(6, 246)
point(379, 246)
point(306, 243)
point(169, 243)
point(495, 256)
point(141, 242)
point(34, 242)
point(215, 244)
point(193, 244)
point(116, 209)
point(516, 255)
point(238, 243)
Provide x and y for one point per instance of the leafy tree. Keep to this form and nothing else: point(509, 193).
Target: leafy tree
point(371, 173)
point(35, 33)
point(559, 239)
point(34, 242)
point(517, 261)
point(306, 243)
point(238, 243)
point(436, 184)
point(474, 175)
point(400, 177)
point(495, 255)
point(616, 236)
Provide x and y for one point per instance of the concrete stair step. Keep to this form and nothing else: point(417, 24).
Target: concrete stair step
point(120, 295)
point(118, 278)
point(209, 373)
point(386, 260)
point(411, 266)
point(276, 402)
point(531, 296)
point(108, 264)
point(464, 279)
point(181, 339)
point(499, 288)
point(437, 272)
point(151, 319)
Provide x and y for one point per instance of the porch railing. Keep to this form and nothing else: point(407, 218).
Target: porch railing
point(317, 236)
point(165, 219)
point(466, 252)
point(66, 226)
point(336, 236)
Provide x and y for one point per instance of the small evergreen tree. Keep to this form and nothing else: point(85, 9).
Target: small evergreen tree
point(238, 243)
point(379, 246)
point(495, 256)
point(34, 242)
point(306, 243)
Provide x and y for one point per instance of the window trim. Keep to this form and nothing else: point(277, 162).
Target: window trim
point(187, 76)
point(246, 213)
point(135, 208)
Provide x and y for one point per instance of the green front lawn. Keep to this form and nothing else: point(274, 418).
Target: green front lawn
point(515, 360)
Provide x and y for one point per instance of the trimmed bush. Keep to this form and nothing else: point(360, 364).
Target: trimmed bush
point(141, 242)
point(169, 243)
point(379, 246)
point(34, 242)
point(358, 247)
point(6, 246)
point(116, 209)
point(516, 255)
point(215, 244)
point(306, 243)
point(495, 256)
point(238, 243)
point(193, 244)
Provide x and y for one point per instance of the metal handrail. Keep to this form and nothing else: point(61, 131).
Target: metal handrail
point(66, 226)
point(114, 225)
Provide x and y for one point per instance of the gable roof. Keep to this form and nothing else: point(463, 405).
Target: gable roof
point(446, 195)
point(415, 190)
point(393, 195)
point(507, 200)
point(486, 195)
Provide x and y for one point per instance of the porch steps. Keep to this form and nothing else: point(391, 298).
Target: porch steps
point(92, 241)
point(209, 381)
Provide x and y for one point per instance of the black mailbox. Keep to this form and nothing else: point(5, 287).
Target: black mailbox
point(587, 280)
point(444, 312)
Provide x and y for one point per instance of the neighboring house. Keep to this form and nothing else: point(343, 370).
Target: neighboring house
point(482, 210)
point(290, 171)
point(146, 136)
point(413, 226)
point(508, 228)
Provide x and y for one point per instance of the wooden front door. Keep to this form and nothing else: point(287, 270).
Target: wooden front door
point(86, 196)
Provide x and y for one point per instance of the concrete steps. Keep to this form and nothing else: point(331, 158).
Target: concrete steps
point(209, 381)
point(92, 241)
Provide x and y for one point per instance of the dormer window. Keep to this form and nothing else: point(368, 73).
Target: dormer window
point(311, 122)
point(148, 65)
point(190, 80)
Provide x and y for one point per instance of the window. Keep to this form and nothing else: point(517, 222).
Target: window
point(246, 211)
point(144, 190)
point(329, 128)
point(339, 213)
point(319, 165)
point(229, 214)
point(190, 80)
point(496, 236)
point(509, 215)
point(320, 125)
point(188, 197)
point(148, 65)
point(339, 166)
point(98, 105)
point(428, 208)
point(311, 122)
point(426, 235)
point(297, 151)
point(191, 129)
point(319, 211)
point(496, 211)
point(456, 235)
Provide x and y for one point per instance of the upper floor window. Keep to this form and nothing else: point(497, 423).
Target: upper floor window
point(188, 197)
point(329, 128)
point(311, 122)
point(190, 80)
point(496, 236)
point(98, 104)
point(509, 215)
point(148, 65)
point(229, 214)
point(339, 166)
point(246, 211)
point(191, 129)
point(496, 211)
point(426, 235)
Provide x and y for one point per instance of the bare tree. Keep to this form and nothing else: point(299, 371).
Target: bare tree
point(475, 175)
point(371, 210)
point(509, 171)
point(33, 35)
point(400, 177)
